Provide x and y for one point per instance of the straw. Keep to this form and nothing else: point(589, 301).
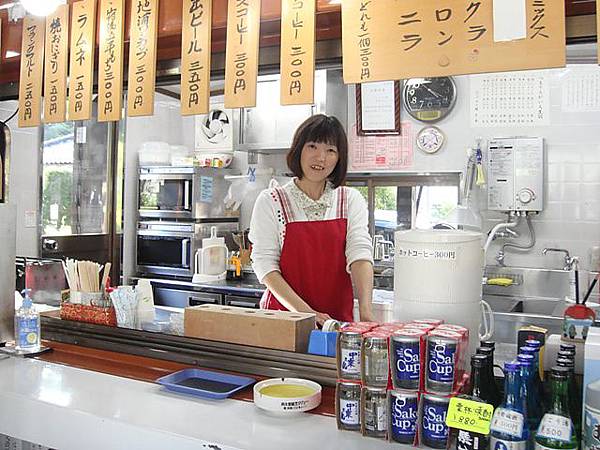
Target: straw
point(591, 288)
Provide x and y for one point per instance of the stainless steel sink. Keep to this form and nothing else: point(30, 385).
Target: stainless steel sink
point(535, 306)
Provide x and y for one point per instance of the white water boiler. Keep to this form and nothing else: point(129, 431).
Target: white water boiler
point(438, 274)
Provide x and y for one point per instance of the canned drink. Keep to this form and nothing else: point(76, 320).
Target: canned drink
point(406, 358)
point(348, 405)
point(374, 403)
point(434, 322)
point(434, 431)
point(375, 359)
point(348, 353)
point(455, 328)
point(442, 356)
point(420, 326)
point(387, 329)
point(403, 412)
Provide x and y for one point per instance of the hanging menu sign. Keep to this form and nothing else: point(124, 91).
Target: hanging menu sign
point(391, 40)
point(56, 60)
point(195, 56)
point(30, 82)
point(81, 67)
point(110, 60)
point(297, 51)
point(142, 57)
point(241, 68)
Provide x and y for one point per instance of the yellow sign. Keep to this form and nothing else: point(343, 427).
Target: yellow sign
point(81, 67)
point(241, 68)
point(110, 60)
point(297, 51)
point(142, 57)
point(391, 40)
point(195, 56)
point(57, 55)
point(32, 68)
point(468, 415)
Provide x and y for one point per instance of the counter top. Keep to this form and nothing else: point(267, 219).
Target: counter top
point(70, 408)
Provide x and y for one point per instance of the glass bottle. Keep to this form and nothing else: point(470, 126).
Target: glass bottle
point(509, 429)
point(480, 392)
point(575, 396)
point(489, 374)
point(556, 428)
point(535, 369)
point(534, 407)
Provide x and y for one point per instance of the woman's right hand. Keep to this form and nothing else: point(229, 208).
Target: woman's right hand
point(321, 318)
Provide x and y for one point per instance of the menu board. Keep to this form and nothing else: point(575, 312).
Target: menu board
point(241, 67)
point(110, 60)
point(81, 67)
point(195, 56)
point(297, 52)
point(444, 37)
point(30, 82)
point(142, 57)
point(56, 60)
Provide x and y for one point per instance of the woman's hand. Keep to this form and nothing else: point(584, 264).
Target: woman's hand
point(321, 318)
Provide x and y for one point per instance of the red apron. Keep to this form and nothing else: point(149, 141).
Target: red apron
point(313, 261)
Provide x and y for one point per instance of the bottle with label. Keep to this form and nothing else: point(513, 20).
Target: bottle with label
point(574, 394)
point(508, 430)
point(591, 417)
point(480, 392)
point(534, 407)
point(535, 368)
point(489, 375)
point(27, 326)
point(556, 428)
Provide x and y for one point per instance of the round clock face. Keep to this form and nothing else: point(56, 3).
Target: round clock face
point(430, 139)
point(429, 99)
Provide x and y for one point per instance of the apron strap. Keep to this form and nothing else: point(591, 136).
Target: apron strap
point(288, 214)
point(342, 204)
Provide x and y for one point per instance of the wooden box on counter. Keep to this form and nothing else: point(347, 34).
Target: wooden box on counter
point(281, 330)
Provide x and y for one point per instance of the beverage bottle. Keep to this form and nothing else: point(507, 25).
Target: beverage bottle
point(509, 429)
point(27, 326)
point(537, 381)
point(556, 428)
point(573, 394)
point(534, 407)
point(538, 346)
point(489, 375)
point(480, 392)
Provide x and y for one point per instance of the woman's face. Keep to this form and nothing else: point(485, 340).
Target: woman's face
point(318, 160)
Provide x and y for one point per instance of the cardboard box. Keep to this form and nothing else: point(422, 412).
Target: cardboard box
point(281, 330)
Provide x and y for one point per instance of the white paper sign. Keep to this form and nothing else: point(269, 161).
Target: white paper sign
point(378, 108)
point(581, 90)
point(510, 20)
point(508, 422)
point(554, 426)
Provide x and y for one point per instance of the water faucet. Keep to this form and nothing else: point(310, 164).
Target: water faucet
point(570, 261)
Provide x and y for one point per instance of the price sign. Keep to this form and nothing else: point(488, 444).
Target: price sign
point(508, 422)
point(469, 415)
point(556, 427)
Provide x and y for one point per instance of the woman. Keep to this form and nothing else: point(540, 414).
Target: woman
point(311, 234)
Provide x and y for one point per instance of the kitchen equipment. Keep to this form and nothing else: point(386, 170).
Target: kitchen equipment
point(211, 259)
point(204, 383)
point(438, 273)
point(287, 395)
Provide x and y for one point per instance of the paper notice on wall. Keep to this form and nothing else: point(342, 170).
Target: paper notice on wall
point(581, 90)
point(391, 152)
point(510, 20)
point(512, 99)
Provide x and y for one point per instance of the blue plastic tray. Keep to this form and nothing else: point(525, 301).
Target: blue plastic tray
point(204, 383)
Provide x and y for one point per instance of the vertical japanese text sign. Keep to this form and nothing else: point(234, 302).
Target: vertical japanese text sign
point(195, 56)
point(30, 82)
point(110, 60)
point(391, 40)
point(142, 57)
point(81, 67)
point(56, 60)
point(241, 68)
point(297, 51)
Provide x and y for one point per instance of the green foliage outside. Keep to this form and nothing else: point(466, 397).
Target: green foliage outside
point(58, 185)
point(385, 197)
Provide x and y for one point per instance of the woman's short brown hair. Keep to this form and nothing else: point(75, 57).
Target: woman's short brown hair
point(320, 129)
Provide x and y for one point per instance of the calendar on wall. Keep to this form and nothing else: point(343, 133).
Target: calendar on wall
point(516, 99)
point(391, 152)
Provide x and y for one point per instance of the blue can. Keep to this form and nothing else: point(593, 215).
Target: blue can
point(434, 431)
point(403, 409)
point(406, 359)
point(441, 361)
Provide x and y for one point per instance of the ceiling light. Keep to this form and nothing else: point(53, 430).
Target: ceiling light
point(41, 7)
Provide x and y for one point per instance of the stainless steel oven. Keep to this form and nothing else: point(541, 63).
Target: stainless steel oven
point(168, 247)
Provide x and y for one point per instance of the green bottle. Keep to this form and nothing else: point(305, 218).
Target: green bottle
point(556, 429)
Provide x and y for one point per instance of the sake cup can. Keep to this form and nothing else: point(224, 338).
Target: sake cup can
point(434, 322)
point(442, 356)
point(434, 431)
point(405, 349)
point(349, 342)
point(403, 407)
point(420, 326)
point(347, 397)
point(375, 359)
point(456, 328)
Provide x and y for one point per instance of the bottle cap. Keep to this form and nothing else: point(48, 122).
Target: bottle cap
point(565, 362)
point(525, 359)
point(484, 351)
point(27, 302)
point(570, 347)
point(479, 361)
point(567, 354)
point(533, 343)
point(560, 373)
point(488, 344)
point(512, 366)
point(528, 350)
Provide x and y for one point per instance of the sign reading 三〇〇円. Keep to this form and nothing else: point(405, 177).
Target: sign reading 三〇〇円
point(55, 65)
point(391, 40)
point(32, 60)
point(195, 56)
point(81, 66)
point(142, 57)
point(297, 52)
point(241, 67)
point(110, 60)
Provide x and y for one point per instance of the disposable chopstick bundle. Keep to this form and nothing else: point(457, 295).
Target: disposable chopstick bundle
point(83, 276)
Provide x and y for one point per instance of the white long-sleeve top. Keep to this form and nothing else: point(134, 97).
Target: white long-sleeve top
point(267, 227)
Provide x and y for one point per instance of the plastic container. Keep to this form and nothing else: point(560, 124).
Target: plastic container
point(27, 326)
point(211, 259)
point(154, 153)
point(322, 343)
point(204, 383)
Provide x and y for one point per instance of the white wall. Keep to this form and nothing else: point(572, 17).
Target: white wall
point(24, 186)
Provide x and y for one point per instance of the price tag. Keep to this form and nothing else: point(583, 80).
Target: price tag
point(469, 415)
point(556, 427)
point(508, 422)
